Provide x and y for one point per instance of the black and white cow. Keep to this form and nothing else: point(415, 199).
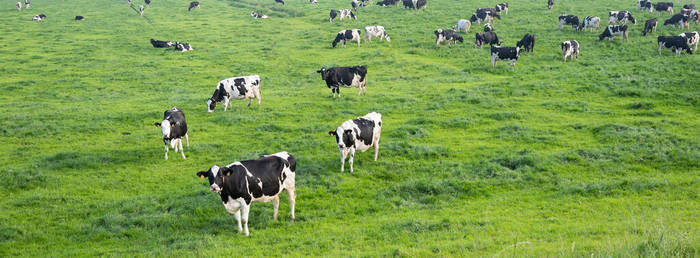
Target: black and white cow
point(39, 17)
point(650, 25)
point(550, 3)
point(241, 183)
point(80, 18)
point(570, 48)
point(685, 6)
point(486, 38)
point(19, 6)
point(26, 4)
point(258, 15)
point(644, 5)
point(354, 4)
point(194, 4)
point(353, 76)
point(148, 2)
point(156, 43)
point(568, 19)
point(483, 16)
point(388, 2)
point(621, 16)
point(462, 25)
point(488, 27)
point(502, 8)
point(141, 9)
point(347, 35)
point(509, 54)
point(356, 134)
point(678, 19)
point(279, 1)
point(693, 38)
point(344, 13)
point(613, 31)
point(664, 7)
point(527, 43)
point(675, 43)
point(414, 4)
point(376, 32)
point(174, 127)
point(590, 22)
point(243, 87)
point(313, 2)
point(486, 10)
point(447, 35)
point(183, 47)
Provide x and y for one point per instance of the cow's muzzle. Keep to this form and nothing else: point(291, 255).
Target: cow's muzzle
point(214, 188)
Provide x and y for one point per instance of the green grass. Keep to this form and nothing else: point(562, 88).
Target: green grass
point(595, 157)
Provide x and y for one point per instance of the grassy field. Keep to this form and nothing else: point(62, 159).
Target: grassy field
point(595, 157)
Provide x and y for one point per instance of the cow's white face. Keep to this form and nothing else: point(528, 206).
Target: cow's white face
point(211, 104)
point(344, 138)
point(215, 178)
point(165, 128)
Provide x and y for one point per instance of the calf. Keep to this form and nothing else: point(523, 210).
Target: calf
point(183, 47)
point(678, 19)
point(462, 25)
point(528, 43)
point(344, 13)
point(19, 6)
point(360, 134)
point(644, 5)
point(692, 37)
point(621, 16)
point(484, 16)
point(590, 22)
point(664, 7)
point(447, 35)
point(80, 18)
point(156, 43)
point(502, 7)
point(488, 27)
point(376, 31)
point(353, 76)
point(486, 38)
point(39, 17)
point(174, 127)
point(675, 43)
point(258, 15)
point(194, 4)
point(235, 88)
point(570, 48)
point(510, 54)
point(568, 19)
point(414, 4)
point(614, 30)
point(347, 35)
point(257, 180)
point(550, 3)
point(650, 25)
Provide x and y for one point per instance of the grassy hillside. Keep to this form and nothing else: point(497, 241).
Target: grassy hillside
point(599, 156)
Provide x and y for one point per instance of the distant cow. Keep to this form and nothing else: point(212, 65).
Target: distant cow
point(486, 38)
point(243, 87)
point(650, 25)
point(447, 35)
point(241, 183)
point(693, 38)
point(502, 7)
point(344, 13)
point(258, 15)
point(678, 19)
point(183, 47)
point(388, 2)
point(484, 16)
point(354, 4)
point(664, 7)
point(347, 35)
point(621, 16)
point(26, 4)
point(79, 18)
point(550, 3)
point(414, 4)
point(462, 25)
point(590, 22)
point(174, 127)
point(570, 48)
point(376, 32)
point(527, 43)
point(568, 19)
point(675, 43)
point(148, 2)
point(141, 9)
point(39, 17)
point(353, 76)
point(313, 2)
point(158, 43)
point(488, 27)
point(644, 5)
point(194, 4)
point(279, 1)
point(685, 6)
point(509, 54)
point(613, 31)
point(19, 6)
point(356, 134)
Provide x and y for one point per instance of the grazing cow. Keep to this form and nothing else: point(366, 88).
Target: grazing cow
point(590, 22)
point(156, 43)
point(621, 16)
point(26, 4)
point(256, 180)
point(356, 134)
point(447, 35)
point(347, 35)
point(528, 43)
point(39, 17)
point(650, 25)
point(414, 4)
point(141, 9)
point(183, 47)
point(644, 5)
point(279, 1)
point(486, 10)
point(693, 38)
point(353, 76)
point(550, 3)
point(483, 16)
point(376, 31)
point(354, 4)
point(509, 54)
point(486, 38)
point(568, 19)
point(462, 25)
point(675, 43)
point(194, 4)
point(488, 27)
point(678, 19)
point(258, 15)
point(19, 6)
point(388, 2)
point(344, 13)
point(695, 16)
point(80, 18)
point(148, 2)
point(614, 30)
point(174, 127)
point(664, 7)
point(502, 7)
point(235, 88)
point(569, 48)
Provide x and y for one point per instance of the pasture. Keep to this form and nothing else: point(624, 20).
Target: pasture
point(596, 156)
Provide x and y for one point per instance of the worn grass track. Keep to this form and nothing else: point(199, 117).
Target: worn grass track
point(598, 156)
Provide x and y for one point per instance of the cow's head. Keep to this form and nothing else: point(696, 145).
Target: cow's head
point(632, 19)
point(459, 38)
point(479, 39)
point(496, 15)
point(165, 127)
point(386, 36)
point(345, 138)
point(216, 175)
point(323, 72)
point(211, 104)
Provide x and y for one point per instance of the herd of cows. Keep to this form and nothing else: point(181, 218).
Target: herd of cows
point(263, 179)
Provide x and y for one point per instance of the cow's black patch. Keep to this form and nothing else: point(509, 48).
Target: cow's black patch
point(239, 83)
point(366, 132)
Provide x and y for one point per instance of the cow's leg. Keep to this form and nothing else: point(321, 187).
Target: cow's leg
point(226, 101)
point(352, 158)
point(376, 150)
point(250, 100)
point(237, 215)
point(257, 95)
point(364, 86)
point(245, 209)
point(493, 60)
point(358, 42)
point(359, 92)
point(292, 199)
point(275, 206)
point(166, 145)
point(343, 154)
point(187, 138)
point(182, 151)
point(660, 47)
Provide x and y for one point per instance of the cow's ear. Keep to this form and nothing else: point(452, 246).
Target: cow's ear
point(201, 174)
point(157, 124)
point(332, 133)
point(226, 171)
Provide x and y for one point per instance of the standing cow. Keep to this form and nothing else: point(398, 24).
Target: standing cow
point(528, 43)
point(194, 4)
point(235, 88)
point(447, 35)
point(613, 31)
point(462, 25)
point(360, 134)
point(26, 4)
point(241, 183)
point(692, 37)
point(678, 19)
point(509, 54)
point(550, 3)
point(675, 43)
point(570, 48)
point(174, 127)
point(376, 31)
point(650, 25)
point(621, 16)
point(344, 13)
point(664, 7)
point(568, 19)
point(19, 6)
point(486, 38)
point(590, 22)
point(347, 35)
point(502, 7)
point(353, 76)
